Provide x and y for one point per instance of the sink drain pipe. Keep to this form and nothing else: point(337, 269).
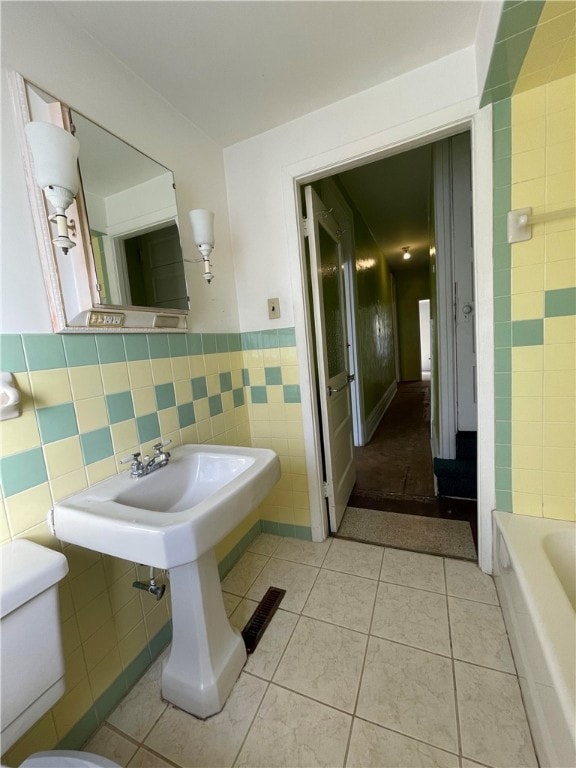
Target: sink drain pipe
point(151, 587)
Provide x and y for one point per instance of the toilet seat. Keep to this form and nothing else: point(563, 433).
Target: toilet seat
point(67, 759)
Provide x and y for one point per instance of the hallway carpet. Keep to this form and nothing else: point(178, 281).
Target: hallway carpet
point(394, 472)
point(450, 538)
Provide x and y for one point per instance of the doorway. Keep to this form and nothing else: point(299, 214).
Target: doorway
point(402, 427)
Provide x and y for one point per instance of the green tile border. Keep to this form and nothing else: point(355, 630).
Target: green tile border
point(527, 333)
point(515, 31)
point(560, 302)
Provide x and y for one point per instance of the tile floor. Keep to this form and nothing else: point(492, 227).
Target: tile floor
point(377, 657)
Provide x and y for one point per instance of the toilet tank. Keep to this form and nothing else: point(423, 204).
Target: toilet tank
point(31, 657)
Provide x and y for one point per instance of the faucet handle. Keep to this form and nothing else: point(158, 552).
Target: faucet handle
point(134, 458)
point(162, 444)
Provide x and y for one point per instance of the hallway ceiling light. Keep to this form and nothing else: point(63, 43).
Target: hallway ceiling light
point(407, 254)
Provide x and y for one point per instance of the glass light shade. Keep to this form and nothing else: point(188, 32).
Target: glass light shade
point(202, 222)
point(55, 153)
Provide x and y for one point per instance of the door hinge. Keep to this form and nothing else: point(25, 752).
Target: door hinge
point(325, 489)
point(305, 228)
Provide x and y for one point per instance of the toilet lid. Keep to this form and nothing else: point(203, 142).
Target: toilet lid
point(67, 759)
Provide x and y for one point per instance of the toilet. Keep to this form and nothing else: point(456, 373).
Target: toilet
point(31, 655)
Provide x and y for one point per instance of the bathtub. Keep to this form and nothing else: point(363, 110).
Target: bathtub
point(535, 574)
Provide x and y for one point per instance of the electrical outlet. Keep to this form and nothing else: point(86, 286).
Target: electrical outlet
point(273, 309)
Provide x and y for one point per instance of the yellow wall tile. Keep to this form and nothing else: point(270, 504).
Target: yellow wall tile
point(275, 394)
point(115, 378)
point(161, 370)
point(211, 364)
point(526, 457)
point(131, 645)
point(529, 194)
point(63, 457)
point(91, 414)
point(559, 409)
point(85, 381)
point(99, 644)
point(561, 246)
point(559, 508)
point(224, 362)
point(529, 252)
point(127, 618)
point(183, 391)
point(527, 433)
point(559, 435)
point(19, 434)
point(124, 435)
point(197, 367)
point(168, 419)
point(140, 374)
point(29, 508)
point(180, 368)
point(528, 165)
point(527, 409)
point(71, 707)
point(202, 409)
point(527, 503)
point(527, 107)
point(558, 357)
point(527, 383)
point(560, 330)
point(272, 357)
point(559, 384)
point(99, 470)
point(560, 190)
point(527, 279)
point(204, 431)
point(559, 484)
point(527, 480)
point(66, 485)
point(50, 387)
point(558, 459)
point(561, 128)
point(105, 673)
point(4, 529)
point(189, 435)
point(559, 156)
point(75, 668)
point(527, 358)
point(527, 306)
point(257, 377)
point(213, 384)
point(144, 401)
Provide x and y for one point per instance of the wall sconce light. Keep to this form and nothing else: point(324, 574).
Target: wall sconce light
point(202, 222)
point(407, 254)
point(55, 154)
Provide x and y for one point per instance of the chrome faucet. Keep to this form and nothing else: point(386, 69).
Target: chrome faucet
point(141, 467)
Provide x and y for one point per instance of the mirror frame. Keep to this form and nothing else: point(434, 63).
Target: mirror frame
point(73, 296)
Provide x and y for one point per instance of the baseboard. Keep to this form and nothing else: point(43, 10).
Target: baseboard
point(378, 412)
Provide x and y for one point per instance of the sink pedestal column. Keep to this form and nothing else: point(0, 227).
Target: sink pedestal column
point(207, 654)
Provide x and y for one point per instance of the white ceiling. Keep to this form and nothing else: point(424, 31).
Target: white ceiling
point(238, 68)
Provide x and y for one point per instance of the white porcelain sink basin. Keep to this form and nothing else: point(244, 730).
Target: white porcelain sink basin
point(175, 514)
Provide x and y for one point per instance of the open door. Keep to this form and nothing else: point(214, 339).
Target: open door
point(326, 268)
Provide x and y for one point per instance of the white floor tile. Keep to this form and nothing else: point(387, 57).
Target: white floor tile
point(410, 691)
point(324, 662)
point(372, 746)
point(492, 718)
point(297, 579)
point(231, 602)
point(145, 759)
point(301, 551)
point(142, 706)
point(342, 599)
point(265, 544)
point(354, 558)
point(479, 634)
point(265, 659)
point(413, 617)
point(464, 579)
point(292, 731)
point(215, 742)
point(108, 743)
point(243, 574)
point(412, 569)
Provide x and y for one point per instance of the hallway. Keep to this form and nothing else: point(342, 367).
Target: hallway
point(394, 471)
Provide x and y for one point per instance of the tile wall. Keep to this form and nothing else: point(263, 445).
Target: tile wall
point(535, 302)
point(88, 402)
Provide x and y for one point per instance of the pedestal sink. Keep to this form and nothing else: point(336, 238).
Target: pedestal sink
point(173, 519)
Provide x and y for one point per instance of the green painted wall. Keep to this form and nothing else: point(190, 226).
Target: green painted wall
point(411, 286)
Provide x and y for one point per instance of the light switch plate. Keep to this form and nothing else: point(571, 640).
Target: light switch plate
point(273, 308)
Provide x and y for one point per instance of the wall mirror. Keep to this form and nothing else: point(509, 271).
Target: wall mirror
point(126, 271)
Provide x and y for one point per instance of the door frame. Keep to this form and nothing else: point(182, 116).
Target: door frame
point(430, 128)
